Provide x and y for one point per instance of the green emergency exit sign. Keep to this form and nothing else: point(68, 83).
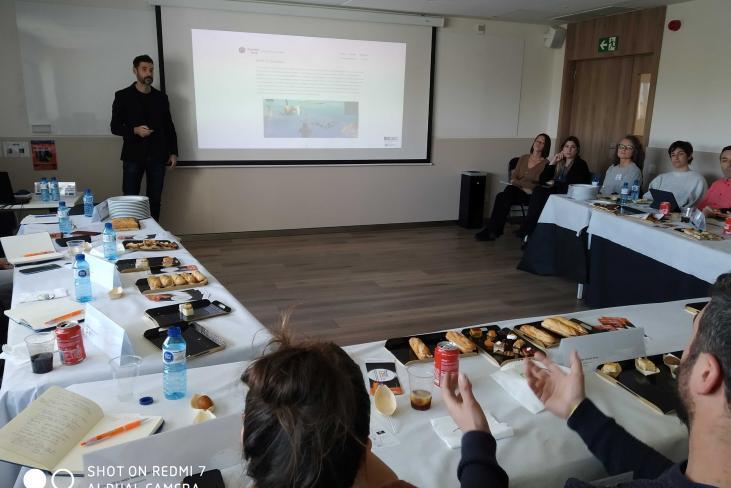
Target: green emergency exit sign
point(608, 44)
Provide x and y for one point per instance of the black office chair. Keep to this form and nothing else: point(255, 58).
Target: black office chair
point(511, 167)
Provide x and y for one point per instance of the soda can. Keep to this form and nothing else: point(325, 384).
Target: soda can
point(665, 208)
point(70, 343)
point(727, 226)
point(446, 361)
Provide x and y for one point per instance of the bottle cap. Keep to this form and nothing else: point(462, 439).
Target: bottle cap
point(61, 204)
point(108, 225)
point(87, 191)
point(174, 331)
point(80, 257)
point(147, 400)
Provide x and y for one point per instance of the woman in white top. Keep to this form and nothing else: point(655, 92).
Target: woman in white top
point(686, 185)
point(626, 167)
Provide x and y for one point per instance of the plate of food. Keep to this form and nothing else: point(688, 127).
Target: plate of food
point(652, 379)
point(120, 224)
point(145, 264)
point(500, 344)
point(698, 235)
point(149, 245)
point(170, 282)
point(420, 348)
point(549, 332)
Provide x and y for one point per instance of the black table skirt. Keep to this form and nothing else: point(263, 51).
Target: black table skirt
point(619, 276)
point(556, 251)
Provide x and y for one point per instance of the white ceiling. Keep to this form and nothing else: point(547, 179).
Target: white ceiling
point(529, 11)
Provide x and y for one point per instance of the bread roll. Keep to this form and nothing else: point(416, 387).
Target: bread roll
point(570, 323)
point(166, 280)
point(178, 279)
point(168, 261)
point(188, 278)
point(611, 369)
point(154, 283)
point(198, 276)
point(538, 334)
point(419, 348)
point(463, 343)
point(558, 327)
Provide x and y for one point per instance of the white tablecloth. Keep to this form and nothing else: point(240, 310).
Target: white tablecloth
point(543, 451)
point(705, 260)
point(243, 333)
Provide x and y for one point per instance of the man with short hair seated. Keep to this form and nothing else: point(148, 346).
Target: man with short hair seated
point(704, 388)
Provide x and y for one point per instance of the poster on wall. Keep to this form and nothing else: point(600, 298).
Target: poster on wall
point(44, 155)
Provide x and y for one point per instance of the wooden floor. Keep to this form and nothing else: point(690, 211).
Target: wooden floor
point(364, 285)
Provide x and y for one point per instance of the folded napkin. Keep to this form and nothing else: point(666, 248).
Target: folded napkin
point(512, 380)
point(448, 431)
point(41, 295)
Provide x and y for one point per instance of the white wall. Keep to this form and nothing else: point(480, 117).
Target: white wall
point(693, 97)
point(693, 100)
point(243, 199)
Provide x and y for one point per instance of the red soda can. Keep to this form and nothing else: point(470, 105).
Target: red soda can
point(446, 361)
point(70, 343)
point(727, 226)
point(665, 208)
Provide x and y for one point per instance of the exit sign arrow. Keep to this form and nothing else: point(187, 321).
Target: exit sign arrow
point(608, 44)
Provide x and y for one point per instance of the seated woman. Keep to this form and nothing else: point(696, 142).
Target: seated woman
point(563, 169)
point(626, 167)
point(685, 184)
point(522, 182)
point(307, 420)
point(718, 197)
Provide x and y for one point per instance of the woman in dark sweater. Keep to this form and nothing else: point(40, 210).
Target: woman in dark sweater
point(564, 169)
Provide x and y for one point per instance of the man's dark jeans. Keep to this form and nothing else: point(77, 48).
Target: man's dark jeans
point(132, 172)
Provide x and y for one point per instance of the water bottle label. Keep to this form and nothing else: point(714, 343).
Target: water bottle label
point(173, 357)
point(82, 273)
point(108, 238)
point(625, 191)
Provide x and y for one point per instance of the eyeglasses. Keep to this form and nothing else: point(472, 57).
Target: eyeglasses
point(625, 146)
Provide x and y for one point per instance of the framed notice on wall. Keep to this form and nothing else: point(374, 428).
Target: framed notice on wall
point(44, 155)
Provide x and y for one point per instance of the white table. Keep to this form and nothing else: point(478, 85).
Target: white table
point(243, 333)
point(36, 203)
point(543, 451)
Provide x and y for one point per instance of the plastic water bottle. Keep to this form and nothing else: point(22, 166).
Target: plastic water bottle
point(88, 203)
point(624, 194)
point(64, 222)
point(82, 279)
point(44, 190)
point(174, 372)
point(595, 180)
point(635, 190)
point(109, 238)
point(55, 194)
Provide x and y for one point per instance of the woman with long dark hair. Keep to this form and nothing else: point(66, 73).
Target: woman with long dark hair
point(522, 182)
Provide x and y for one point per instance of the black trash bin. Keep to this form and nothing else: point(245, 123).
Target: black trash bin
point(472, 199)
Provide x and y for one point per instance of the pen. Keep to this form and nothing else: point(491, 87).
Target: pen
point(29, 254)
point(64, 317)
point(122, 428)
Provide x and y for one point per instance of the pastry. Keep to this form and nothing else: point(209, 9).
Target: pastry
point(154, 283)
point(645, 366)
point(570, 323)
point(475, 332)
point(489, 343)
point(419, 348)
point(188, 278)
point(168, 261)
point(186, 309)
point(166, 280)
point(491, 333)
point(611, 369)
point(198, 276)
point(463, 343)
point(142, 263)
point(179, 279)
point(125, 223)
point(538, 334)
point(560, 328)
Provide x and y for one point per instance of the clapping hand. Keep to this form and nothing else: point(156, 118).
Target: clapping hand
point(560, 392)
point(461, 404)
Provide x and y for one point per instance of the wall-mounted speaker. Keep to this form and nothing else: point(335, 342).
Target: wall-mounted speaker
point(554, 37)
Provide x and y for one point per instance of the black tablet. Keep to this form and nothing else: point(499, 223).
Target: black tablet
point(659, 196)
point(198, 340)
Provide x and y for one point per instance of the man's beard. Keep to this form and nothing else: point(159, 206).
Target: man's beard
point(684, 408)
point(147, 80)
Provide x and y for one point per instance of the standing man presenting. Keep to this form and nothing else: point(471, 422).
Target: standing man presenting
point(141, 115)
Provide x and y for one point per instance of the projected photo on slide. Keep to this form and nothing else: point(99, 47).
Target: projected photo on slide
point(310, 118)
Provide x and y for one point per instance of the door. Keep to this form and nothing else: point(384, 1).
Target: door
point(611, 97)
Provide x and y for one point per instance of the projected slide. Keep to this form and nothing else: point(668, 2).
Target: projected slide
point(274, 91)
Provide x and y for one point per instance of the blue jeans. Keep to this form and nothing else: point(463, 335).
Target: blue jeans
point(132, 172)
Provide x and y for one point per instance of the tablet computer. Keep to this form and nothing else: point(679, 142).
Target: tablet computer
point(659, 196)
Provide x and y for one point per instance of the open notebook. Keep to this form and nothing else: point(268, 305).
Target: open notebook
point(48, 433)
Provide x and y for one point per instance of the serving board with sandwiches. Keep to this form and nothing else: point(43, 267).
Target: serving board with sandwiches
point(698, 235)
point(149, 245)
point(652, 380)
point(549, 332)
point(145, 264)
point(170, 282)
point(500, 344)
point(420, 348)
